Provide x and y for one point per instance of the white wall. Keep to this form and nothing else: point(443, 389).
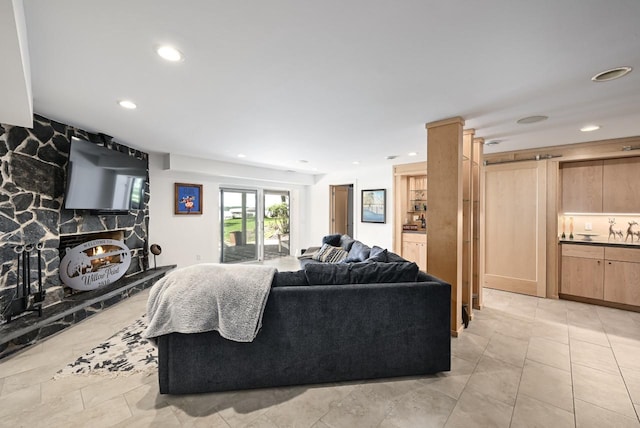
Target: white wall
point(191, 239)
point(362, 179)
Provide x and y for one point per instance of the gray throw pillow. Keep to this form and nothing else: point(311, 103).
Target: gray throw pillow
point(377, 254)
point(359, 252)
point(346, 242)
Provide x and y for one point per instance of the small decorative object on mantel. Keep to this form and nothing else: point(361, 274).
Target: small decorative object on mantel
point(570, 227)
point(563, 228)
point(630, 231)
point(188, 198)
point(155, 250)
point(94, 264)
point(374, 206)
point(614, 232)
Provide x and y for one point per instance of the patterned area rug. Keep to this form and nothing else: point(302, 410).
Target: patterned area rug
point(124, 353)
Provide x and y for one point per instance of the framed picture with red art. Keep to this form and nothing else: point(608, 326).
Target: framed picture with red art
point(188, 198)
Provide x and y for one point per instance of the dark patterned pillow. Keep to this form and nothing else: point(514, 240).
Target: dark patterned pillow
point(330, 254)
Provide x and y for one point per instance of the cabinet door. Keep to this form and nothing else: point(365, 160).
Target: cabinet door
point(582, 187)
point(621, 178)
point(582, 277)
point(414, 248)
point(622, 282)
point(411, 251)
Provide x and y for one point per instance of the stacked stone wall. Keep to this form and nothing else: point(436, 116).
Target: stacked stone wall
point(32, 187)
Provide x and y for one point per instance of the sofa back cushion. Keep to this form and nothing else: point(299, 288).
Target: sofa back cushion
point(289, 279)
point(360, 273)
point(377, 272)
point(327, 274)
point(333, 240)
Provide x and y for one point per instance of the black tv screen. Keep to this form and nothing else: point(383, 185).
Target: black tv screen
point(99, 178)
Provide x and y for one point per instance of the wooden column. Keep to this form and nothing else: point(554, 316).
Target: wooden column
point(467, 219)
point(478, 147)
point(444, 190)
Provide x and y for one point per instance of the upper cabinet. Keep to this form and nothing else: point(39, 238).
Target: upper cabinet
point(601, 186)
point(621, 185)
point(582, 187)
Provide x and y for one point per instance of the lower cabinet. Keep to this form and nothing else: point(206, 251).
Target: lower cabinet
point(414, 248)
point(622, 276)
point(603, 273)
point(583, 277)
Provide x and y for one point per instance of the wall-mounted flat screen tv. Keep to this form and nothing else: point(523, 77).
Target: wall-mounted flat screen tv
point(102, 179)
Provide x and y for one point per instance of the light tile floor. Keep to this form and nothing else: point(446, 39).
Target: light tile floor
point(522, 362)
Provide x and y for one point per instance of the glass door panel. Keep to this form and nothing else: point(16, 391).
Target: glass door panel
point(276, 224)
point(239, 225)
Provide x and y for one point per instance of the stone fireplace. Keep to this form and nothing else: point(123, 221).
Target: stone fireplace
point(32, 182)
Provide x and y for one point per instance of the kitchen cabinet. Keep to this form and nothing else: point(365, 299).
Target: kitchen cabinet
point(582, 271)
point(622, 275)
point(621, 185)
point(606, 273)
point(601, 186)
point(414, 248)
point(582, 187)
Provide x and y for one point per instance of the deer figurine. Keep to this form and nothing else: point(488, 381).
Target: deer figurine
point(612, 231)
point(630, 231)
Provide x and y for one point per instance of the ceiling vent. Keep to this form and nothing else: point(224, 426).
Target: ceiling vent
point(614, 73)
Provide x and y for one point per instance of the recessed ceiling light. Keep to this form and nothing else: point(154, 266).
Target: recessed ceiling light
point(532, 119)
point(492, 142)
point(169, 53)
point(614, 73)
point(412, 154)
point(242, 155)
point(356, 162)
point(303, 161)
point(590, 128)
point(127, 104)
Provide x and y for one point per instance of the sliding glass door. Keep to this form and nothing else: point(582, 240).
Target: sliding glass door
point(239, 225)
point(276, 224)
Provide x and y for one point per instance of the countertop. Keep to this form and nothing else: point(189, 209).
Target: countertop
point(601, 243)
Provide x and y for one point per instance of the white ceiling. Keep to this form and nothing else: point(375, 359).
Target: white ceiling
point(332, 81)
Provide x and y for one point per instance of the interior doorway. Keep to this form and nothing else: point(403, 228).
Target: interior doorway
point(341, 207)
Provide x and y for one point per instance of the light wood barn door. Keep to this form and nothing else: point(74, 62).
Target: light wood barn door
point(514, 243)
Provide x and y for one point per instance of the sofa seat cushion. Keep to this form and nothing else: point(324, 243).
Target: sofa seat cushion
point(330, 254)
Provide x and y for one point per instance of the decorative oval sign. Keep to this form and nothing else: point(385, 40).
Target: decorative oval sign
point(94, 264)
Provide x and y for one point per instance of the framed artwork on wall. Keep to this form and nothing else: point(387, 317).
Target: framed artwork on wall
point(188, 198)
point(374, 206)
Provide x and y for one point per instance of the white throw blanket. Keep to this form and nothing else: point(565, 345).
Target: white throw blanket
point(227, 298)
